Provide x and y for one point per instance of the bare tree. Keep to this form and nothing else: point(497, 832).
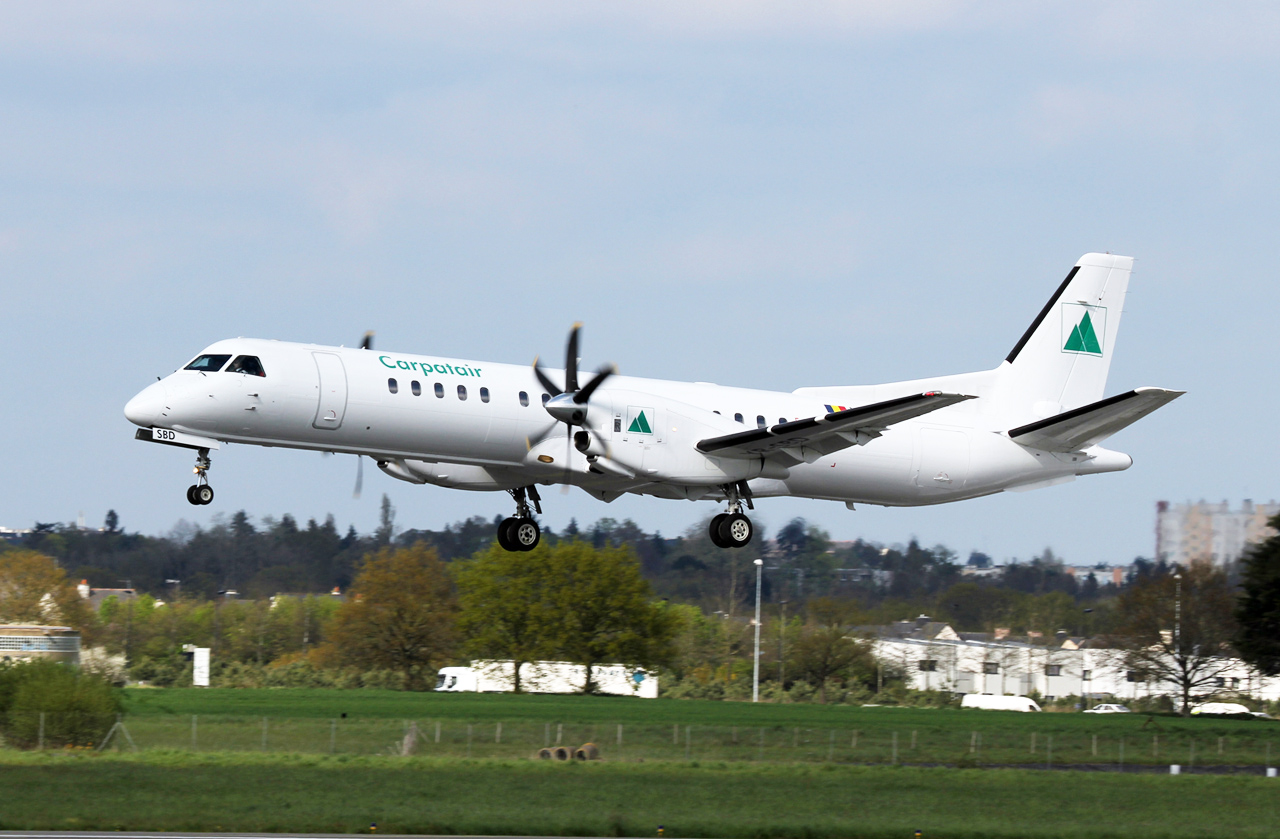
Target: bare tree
point(1178, 628)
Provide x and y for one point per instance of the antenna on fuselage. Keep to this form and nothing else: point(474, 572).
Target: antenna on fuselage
point(366, 343)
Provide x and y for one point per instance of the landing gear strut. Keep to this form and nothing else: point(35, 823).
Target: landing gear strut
point(200, 492)
point(733, 529)
point(521, 532)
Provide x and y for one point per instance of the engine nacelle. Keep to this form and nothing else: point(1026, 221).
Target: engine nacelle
point(451, 475)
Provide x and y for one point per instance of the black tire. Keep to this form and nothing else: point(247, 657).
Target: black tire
point(191, 495)
point(714, 530)
point(203, 494)
point(525, 534)
point(505, 541)
point(736, 530)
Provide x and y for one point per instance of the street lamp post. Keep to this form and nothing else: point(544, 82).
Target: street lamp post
point(1177, 613)
point(1084, 659)
point(755, 671)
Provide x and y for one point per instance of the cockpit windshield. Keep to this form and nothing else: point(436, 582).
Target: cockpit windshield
point(247, 364)
point(208, 363)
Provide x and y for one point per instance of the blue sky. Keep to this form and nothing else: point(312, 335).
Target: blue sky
point(745, 193)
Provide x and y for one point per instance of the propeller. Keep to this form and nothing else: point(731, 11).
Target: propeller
point(569, 405)
point(359, 476)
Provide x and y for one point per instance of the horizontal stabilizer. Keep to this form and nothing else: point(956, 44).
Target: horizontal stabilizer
point(1091, 424)
point(806, 440)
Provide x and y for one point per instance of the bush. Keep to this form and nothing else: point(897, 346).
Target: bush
point(78, 708)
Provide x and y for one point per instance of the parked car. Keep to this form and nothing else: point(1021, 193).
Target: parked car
point(1106, 708)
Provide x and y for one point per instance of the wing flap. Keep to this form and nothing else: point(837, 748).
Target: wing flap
point(1091, 424)
point(806, 440)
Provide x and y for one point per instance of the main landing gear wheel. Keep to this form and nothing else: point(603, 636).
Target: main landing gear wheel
point(714, 530)
point(519, 534)
point(733, 529)
point(525, 533)
point(736, 530)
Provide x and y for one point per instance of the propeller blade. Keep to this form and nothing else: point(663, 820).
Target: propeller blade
point(582, 396)
point(359, 476)
point(530, 442)
point(367, 342)
point(604, 444)
point(568, 453)
point(571, 360)
point(547, 384)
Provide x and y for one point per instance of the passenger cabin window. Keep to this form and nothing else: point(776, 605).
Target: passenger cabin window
point(760, 423)
point(737, 417)
point(247, 364)
point(462, 393)
point(484, 394)
point(439, 391)
point(208, 363)
point(392, 386)
point(416, 387)
point(781, 420)
point(545, 398)
point(524, 399)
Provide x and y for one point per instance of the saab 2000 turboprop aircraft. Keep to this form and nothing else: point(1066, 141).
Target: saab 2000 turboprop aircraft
point(1034, 421)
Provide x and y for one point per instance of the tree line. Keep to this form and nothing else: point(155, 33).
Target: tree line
point(417, 599)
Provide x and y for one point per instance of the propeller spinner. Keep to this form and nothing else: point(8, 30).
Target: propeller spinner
point(569, 405)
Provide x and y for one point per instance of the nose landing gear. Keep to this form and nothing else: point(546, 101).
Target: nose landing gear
point(521, 532)
point(733, 529)
point(200, 492)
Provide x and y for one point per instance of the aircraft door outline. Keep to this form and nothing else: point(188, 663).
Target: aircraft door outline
point(331, 405)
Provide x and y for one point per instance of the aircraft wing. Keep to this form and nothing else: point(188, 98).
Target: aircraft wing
point(806, 440)
point(1082, 427)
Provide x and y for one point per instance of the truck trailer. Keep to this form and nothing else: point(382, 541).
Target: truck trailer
point(547, 677)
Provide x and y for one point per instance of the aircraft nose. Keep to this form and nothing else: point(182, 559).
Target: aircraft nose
point(144, 409)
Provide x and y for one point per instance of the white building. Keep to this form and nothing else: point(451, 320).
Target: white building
point(1202, 532)
point(933, 656)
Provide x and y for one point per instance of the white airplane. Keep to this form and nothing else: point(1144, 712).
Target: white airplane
point(1034, 421)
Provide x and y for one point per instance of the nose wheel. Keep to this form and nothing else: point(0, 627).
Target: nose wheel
point(200, 493)
point(521, 532)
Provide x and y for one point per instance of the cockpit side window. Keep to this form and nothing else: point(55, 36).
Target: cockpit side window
point(208, 363)
point(247, 364)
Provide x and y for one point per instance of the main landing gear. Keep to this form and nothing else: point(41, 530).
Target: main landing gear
point(733, 529)
point(200, 492)
point(521, 532)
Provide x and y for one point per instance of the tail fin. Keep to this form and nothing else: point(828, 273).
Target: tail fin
point(1062, 360)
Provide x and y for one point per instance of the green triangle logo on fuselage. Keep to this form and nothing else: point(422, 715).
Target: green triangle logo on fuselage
point(1083, 337)
point(640, 425)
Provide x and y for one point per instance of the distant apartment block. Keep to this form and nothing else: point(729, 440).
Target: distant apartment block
point(1203, 532)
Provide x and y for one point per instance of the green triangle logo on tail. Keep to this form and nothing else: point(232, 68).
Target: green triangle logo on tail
point(1083, 337)
point(640, 425)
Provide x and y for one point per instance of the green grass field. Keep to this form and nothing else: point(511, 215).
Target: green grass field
point(504, 726)
point(250, 793)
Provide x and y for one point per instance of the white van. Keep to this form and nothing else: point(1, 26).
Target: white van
point(990, 702)
point(1220, 708)
point(547, 677)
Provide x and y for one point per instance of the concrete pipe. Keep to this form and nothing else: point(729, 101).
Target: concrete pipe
point(589, 751)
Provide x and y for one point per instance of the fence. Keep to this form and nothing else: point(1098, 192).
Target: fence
point(619, 742)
